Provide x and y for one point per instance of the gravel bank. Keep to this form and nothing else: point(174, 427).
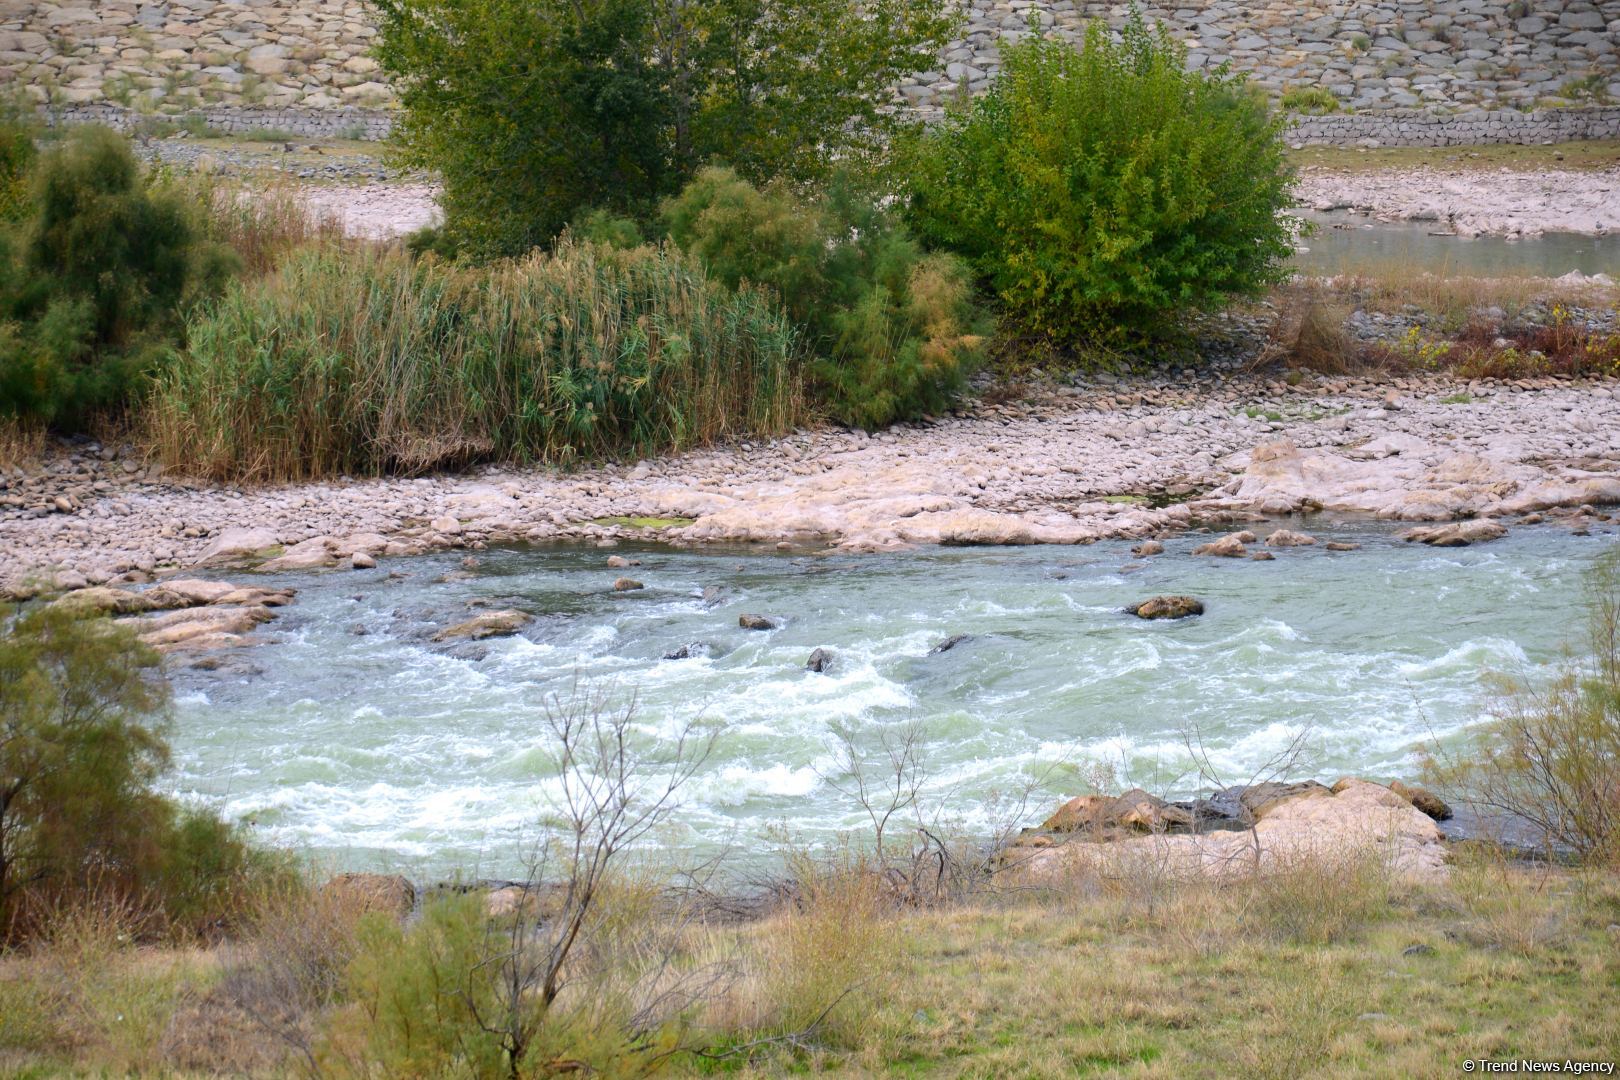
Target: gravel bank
point(1069, 466)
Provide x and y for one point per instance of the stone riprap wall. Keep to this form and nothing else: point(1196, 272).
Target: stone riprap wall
point(172, 56)
point(1371, 54)
point(179, 55)
point(1473, 127)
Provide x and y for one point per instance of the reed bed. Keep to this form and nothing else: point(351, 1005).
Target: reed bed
point(363, 361)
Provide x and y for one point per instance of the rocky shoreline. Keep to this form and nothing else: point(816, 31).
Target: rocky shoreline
point(1473, 202)
point(1067, 465)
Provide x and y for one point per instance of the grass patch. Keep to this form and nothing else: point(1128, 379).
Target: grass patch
point(1127, 500)
point(1593, 154)
point(1463, 398)
point(645, 522)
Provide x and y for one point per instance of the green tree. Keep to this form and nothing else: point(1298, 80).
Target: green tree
point(1104, 191)
point(538, 111)
point(530, 110)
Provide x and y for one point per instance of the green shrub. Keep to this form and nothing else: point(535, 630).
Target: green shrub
point(17, 154)
point(371, 362)
point(96, 279)
point(888, 324)
point(1102, 192)
point(536, 112)
point(1309, 99)
point(82, 739)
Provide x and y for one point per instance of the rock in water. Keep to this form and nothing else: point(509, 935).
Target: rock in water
point(1229, 546)
point(1460, 534)
point(1168, 607)
point(487, 624)
point(362, 561)
point(688, 651)
point(1146, 548)
point(950, 643)
point(1424, 799)
point(625, 584)
point(757, 622)
point(820, 660)
point(1289, 538)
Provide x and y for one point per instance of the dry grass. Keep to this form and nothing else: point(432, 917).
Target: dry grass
point(21, 443)
point(1323, 969)
point(1470, 327)
point(1587, 154)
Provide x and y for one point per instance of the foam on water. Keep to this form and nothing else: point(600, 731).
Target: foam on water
point(390, 750)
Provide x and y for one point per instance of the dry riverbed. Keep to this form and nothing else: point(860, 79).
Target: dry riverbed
point(1065, 466)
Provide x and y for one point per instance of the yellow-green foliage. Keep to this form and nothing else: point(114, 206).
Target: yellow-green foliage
point(82, 739)
point(889, 324)
point(1102, 192)
point(362, 361)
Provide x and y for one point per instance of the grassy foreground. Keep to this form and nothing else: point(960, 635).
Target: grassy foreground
point(1309, 974)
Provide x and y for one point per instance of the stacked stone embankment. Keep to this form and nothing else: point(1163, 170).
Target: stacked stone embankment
point(1429, 72)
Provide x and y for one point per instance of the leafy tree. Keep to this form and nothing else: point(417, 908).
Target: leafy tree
point(1102, 192)
point(538, 111)
point(531, 110)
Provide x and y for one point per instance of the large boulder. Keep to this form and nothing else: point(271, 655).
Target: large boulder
point(1167, 607)
point(757, 622)
point(238, 545)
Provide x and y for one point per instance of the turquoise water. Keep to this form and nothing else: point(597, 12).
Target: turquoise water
point(370, 746)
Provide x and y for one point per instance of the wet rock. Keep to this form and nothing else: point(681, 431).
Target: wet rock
point(1424, 799)
point(950, 643)
point(384, 894)
point(713, 594)
point(1139, 811)
point(1168, 607)
point(1289, 538)
point(757, 622)
point(820, 660)
point(1146, 548)
point(1229, 546)
point(362, 561)
point(1262, 556)
point(1461, 534)
point(625, 584)
point(486, 624)
point(1260, 799)
point(237, 545)
point(1341, 545)
point(617, 562)
point(688, 651)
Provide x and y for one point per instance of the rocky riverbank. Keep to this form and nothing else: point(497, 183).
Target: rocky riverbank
point(1067, 465)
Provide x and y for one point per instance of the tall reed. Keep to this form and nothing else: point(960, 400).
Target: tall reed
point(364, 361)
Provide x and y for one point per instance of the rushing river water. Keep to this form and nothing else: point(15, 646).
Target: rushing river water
point(367, 744)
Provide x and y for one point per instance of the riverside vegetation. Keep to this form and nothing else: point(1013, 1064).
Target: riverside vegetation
point(777, 247)
point(905, 948)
